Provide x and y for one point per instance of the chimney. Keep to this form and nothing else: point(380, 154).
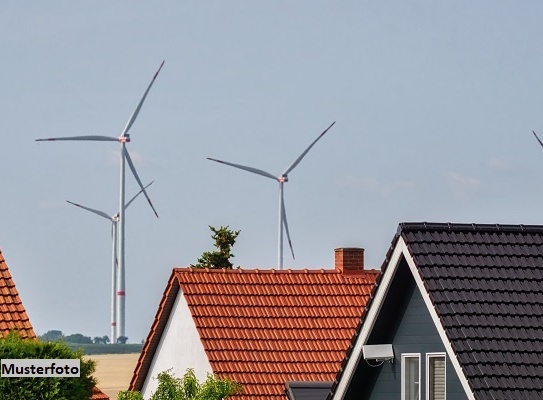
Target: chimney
point(349, 259)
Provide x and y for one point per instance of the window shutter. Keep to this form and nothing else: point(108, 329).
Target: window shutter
point(437, 378)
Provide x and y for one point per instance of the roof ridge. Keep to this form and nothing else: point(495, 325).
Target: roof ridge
point(272, 271)
point(450, 226)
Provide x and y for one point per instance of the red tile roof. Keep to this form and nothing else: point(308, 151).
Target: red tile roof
point(97, 394)
point(12, 313)
point(264, 328)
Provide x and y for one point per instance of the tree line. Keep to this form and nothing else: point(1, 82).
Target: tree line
point(56, 335)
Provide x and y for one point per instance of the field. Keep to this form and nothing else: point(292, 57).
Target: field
point(114, 371)
point(107, 348)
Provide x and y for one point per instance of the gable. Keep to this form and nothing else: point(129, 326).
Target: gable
point(264, 328)
point(179, 348)
point(483, 287)
point(404, 322)
point(392, 288)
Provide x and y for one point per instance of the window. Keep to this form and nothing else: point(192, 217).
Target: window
point(435, 376)
point(410, 376)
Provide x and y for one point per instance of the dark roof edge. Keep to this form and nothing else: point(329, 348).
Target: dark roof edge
point(304, 384)
point(450, 226)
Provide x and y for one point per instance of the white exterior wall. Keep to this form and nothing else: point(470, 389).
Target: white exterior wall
point(180, 348)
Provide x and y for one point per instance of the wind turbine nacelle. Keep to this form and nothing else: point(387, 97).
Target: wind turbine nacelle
point(125, 138)
point(283, 178)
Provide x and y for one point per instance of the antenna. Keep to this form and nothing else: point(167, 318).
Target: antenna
point(122, 139)
point(281, 179)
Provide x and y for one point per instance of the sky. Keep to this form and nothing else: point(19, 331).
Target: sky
point(434, 102)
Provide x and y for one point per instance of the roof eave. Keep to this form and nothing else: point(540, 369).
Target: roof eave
point(153, 338)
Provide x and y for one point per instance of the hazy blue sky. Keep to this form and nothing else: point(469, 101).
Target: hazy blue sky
point(434, 102)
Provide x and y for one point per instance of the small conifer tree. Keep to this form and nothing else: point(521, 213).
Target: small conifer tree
point(224, 241)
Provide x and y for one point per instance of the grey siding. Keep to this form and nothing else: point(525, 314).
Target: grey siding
point(405, 322)
point(416, 334)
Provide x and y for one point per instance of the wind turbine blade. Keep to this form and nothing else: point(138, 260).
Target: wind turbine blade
point(92, 210)
point(297, 161)
point(91, 138)
point(134, 198)
point(284, 218)
point(133, 169)
point(537, 137)
point(250, 169)
point(137, 110)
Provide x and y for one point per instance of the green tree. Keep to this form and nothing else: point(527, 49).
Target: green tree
point(100, 339)
point(13, 346)
point(224, 241)
point(51, 336)
point(122, 339)
point(188, 388)
point(78, 338)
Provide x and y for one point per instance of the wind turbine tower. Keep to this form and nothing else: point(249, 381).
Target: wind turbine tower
point(281, 179)
point(114, 221)
point(125, 157)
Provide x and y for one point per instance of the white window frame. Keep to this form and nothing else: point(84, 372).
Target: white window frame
point(428, 357)
point(404, 357)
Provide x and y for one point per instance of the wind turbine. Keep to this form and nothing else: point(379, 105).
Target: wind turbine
point(537, 137)
point(123, 139)
point(281, 179)
point(114, 220)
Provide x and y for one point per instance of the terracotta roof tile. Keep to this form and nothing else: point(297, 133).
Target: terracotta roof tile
point(263, 328)
point(97, 394)
point(12, 312)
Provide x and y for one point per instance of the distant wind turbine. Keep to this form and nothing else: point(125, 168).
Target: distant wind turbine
point(114, 220)
point(281, 179)
point(537, 137)
point(123, 139)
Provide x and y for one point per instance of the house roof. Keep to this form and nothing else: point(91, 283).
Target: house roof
point(263, 328)
point(485, 283)
point(12, 312)
point(97, 394)
point(307, 390)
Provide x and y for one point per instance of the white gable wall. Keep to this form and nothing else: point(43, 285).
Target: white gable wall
point(180, 348)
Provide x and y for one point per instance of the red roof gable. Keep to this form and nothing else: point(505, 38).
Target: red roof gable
point(97, 394)
point(12, 313)
point(263, 328)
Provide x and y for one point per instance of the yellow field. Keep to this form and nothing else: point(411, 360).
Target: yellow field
point(114, 371)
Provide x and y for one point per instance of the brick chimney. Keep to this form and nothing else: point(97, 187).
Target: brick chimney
point(349, 259)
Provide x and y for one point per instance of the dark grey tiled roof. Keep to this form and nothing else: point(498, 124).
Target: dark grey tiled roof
point(486, 283)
